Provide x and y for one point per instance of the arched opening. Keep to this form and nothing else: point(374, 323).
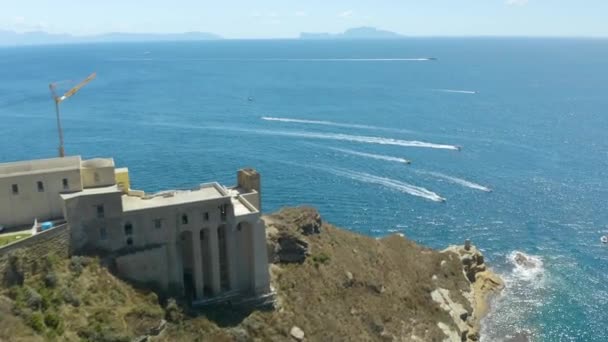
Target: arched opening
point(185, 245)
point(223, 253)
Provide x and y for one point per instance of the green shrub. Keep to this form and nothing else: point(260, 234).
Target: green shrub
point(321, 258)
point(70, 297)
point(32, 298)
point(36, 321)
point(54, 322)
point(50, 279)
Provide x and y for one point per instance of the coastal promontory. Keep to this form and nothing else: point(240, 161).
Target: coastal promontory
point(330, 285)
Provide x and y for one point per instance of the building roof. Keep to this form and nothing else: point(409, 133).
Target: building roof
point(97, 163)
point(210, 191)
point(39, 166)
point(92, 191)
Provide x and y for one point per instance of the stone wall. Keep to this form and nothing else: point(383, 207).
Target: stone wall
point(53, 241)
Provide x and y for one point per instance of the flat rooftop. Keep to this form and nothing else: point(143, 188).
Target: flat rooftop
point(93, 191)
point(206, 192)
point(39, 166)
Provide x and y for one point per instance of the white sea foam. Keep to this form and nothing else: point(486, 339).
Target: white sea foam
point(528, 268)
point(387, 183)
point(353, 138)
point(457, 180)
point(371, 155)
point(455, 91)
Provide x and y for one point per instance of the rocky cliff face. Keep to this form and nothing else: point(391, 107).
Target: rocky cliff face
point(333, 284)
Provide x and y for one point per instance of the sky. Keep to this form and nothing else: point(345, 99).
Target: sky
point(287, 18)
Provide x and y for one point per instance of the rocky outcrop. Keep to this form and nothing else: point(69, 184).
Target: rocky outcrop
point(484, 283)
point(286, 232)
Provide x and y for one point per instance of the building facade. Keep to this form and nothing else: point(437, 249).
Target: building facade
point(30, 190)
point(206, 243)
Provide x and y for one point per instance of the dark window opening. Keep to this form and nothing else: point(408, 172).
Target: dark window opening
point(158, 223)
point(40, 186)
point(206, 216)
point(65, 184)
point(15, 188)
point(184, 219)
point(130, 241)
point(128, 229)
point(103, 234)
point(101, 211)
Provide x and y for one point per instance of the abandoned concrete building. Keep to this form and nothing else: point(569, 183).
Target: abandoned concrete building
point(208, 242)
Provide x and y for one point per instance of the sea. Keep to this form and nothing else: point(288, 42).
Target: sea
point(507, 139)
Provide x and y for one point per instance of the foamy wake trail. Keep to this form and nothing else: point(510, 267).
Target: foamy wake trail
point(320, 122)
point(372, 156)
point(458, 181)
point(470, 92)
point(387, 183)
point(358, 138)
point(336, 124)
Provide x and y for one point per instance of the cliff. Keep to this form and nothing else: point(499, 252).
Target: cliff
point(331, 284)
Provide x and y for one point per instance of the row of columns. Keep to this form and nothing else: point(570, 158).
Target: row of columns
point(212, 243)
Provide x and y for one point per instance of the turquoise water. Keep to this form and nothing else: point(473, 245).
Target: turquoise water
point(329, 125)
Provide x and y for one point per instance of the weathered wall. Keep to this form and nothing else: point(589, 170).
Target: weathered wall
point(54, 241)
point(148, 267)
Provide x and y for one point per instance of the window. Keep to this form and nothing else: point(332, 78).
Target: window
point(40, 186)
point(15, 189)
point(184, 219)
point(129, 241)
point(158, 223)
point(206, 216)
point(96, 177)
point(65, 184)
point(103, 234)
point(100, 211)
point(128, 229)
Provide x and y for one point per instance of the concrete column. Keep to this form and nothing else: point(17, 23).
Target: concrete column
point(197, 267)
point(214, 253)
point(261, 275)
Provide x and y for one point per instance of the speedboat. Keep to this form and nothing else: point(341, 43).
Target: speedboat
point(604, 239)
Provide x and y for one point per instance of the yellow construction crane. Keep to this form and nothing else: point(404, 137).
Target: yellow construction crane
point(58, 99)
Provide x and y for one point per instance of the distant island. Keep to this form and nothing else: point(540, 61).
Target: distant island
point(354, 33)
point(11, 38)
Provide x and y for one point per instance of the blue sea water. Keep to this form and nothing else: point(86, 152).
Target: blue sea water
point(530, 115)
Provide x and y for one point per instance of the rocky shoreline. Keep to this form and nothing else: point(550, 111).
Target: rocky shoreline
point(484, 285)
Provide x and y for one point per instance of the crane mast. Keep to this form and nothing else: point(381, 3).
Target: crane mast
point(60, 98)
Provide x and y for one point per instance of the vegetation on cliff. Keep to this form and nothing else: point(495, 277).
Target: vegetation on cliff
point(331, 284)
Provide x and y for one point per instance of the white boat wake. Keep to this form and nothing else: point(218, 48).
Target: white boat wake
point(454, 91)
point(372, 156)
point(319, 122)
point(351, 138)
point(387, 183)
point(457, 180)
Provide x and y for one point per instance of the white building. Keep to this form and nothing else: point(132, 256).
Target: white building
point(208, 242)
point(30, 190)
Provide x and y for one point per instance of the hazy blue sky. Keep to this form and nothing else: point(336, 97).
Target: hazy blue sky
point(287, 18)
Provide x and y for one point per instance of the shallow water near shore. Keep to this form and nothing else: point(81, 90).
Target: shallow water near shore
point(330, 124)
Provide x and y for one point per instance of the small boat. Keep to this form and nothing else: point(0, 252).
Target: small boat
point(604, 239)
point(250, 99)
